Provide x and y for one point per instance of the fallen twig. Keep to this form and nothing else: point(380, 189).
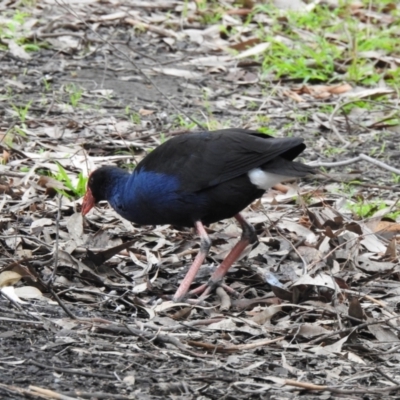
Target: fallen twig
point(309, 386)
point(349, 330)
point(234, 348)
point(49, 394)
point(360, 157)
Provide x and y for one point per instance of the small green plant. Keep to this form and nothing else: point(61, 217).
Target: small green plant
point(267, 131)
point(13, 28)
point(29, 3)
point(184, 123)
point(47, 84)
point(213, 124)
point(395, 178)
point(301, 60)
point(75, 94)
point(19, 18)
point(20, 132)
point(32, 47)
point(365, 105)
point(252, 105)
point(134, 117)
point(393, 215)
point(185, 9)
point(377, 151)
point(326, 109)
point(210, 11)
point(301, 45)
point(331, 151)
point(262, 119)
point(128, 166)
point(211, 18)
point(365, 210)
point(74, 191)
point(22, 112)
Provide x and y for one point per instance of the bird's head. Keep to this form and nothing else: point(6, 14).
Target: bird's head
point(99, 186)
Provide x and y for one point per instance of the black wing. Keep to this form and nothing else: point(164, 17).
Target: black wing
point(204, 159)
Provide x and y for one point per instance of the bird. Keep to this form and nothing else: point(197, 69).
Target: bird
point(196, 179)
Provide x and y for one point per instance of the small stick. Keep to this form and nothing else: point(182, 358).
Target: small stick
point(51, 280)
point(354, 160)
point(333, 127)
point(49, 393)
point(234, 348)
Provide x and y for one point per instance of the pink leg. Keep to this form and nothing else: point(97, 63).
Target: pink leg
point(248, 237)
point(205, 245)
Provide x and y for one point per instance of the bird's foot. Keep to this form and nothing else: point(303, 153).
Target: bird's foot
point(248, 237)
point(199, 294)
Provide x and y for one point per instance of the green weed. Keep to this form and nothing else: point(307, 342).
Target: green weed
point(325, 45)
point(74, 191)
point(22, 111)
point(365, 210)
point(182, 122)
point(14, 30)
point(395, 178)
point(134, 117)
point(267, 131)
point(331, 151)
point(75, 94)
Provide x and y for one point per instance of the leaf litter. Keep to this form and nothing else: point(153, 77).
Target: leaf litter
point(313, 308)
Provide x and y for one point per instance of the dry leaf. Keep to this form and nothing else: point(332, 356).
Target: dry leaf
point(18, 51)
point(9, 278)
point(356, 311)
point(28, 292)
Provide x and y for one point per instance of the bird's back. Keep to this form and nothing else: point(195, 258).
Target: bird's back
point(205, 176)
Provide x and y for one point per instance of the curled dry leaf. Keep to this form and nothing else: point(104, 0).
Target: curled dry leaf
point(265, 315)
point(300, 230)
point(322, 91)
point(245, 44)
point(182, 314)
point(144, 286)
point(28, 292)
point(9, 292)
point(9, 278)
point(129, 380)
point(38, 224)
point(335, 348)
point(166, 305)
point(319, 280)
point(257, 49)
point(18, 51)
point(356, 311)
point(312, 330)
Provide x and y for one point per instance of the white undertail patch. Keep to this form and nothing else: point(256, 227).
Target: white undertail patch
point(265, 180)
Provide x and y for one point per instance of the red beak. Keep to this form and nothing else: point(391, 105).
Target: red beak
point(88, 202)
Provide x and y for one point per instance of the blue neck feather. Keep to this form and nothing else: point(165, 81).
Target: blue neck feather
point(149, 198)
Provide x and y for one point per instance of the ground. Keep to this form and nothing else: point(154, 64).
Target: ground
point(85, 306)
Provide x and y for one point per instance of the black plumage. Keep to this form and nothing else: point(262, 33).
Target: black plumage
point(199, 178)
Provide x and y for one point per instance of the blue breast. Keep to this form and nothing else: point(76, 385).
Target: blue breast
point(150, 198)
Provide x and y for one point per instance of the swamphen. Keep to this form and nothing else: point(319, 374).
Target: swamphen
point(197, 179)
